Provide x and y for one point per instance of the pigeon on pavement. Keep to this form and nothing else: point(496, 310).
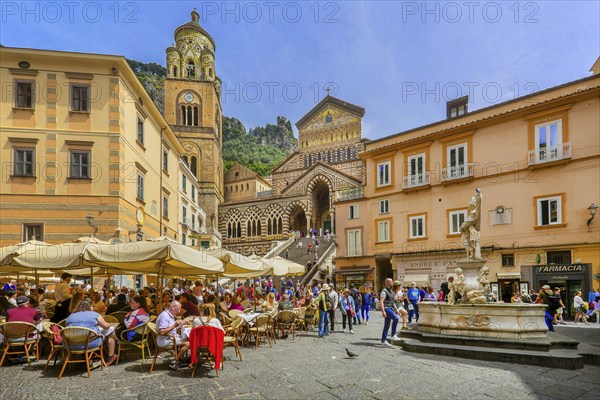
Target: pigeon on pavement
point(351, 354)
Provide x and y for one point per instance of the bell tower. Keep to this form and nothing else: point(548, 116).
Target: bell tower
point(193, 110)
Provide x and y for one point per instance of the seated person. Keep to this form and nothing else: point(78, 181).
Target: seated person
point(166, 324)
point(120, 305)
point(285, 304)
point(97, 303)
point(83, 316)
point(209, 317)
point(189, 309)
point(269, 304)
point(236, 303)
point(24, 312)
point(136, 317)
point(245, 303)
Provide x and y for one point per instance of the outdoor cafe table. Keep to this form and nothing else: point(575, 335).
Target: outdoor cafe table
point(249, 318)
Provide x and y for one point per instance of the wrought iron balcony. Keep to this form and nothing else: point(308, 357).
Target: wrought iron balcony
point(548, 154)
point(415, 180)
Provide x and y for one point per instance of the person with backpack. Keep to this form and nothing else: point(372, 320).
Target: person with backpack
point(355, 293)
point(347, 307)
point(323, 303)
point(547, 297)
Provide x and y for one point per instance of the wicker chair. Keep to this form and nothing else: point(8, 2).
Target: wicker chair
point(309, 318)
point(55, 349)
point(119, 315)
point(110, 319)
point(78, 342)
point(272, 325)
point(233, 336)
point(20, 338)
point(261, 328)
point(287, 322)
point(233, 313)
point(300, 321)
point(225, 320)
point(141, 344)
point(160, 349)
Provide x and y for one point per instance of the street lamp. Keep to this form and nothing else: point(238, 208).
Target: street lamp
point(592, 209)
point(90, 221)
point(139, 235)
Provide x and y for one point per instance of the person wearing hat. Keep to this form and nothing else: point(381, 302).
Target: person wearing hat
point(23, 313)
point(399, 297)
point(348, 308)
point(323, 303)
point(546, 296)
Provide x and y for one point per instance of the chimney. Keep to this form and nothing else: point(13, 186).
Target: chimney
point(595, 70)
point(457, 107)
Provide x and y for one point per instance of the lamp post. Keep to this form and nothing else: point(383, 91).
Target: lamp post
point(592, 209)
point(139, 235)
point(90, 221)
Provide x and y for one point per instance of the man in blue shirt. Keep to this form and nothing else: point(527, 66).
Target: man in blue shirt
point(11, 286)
point(414, 297)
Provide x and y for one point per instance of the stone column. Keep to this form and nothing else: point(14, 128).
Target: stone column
point(332, 217)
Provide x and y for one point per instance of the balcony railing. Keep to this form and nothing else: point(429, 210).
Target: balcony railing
point(351, 194)
point(415, 180)
point(210, 231)
point(548, 154)
point(458, 172)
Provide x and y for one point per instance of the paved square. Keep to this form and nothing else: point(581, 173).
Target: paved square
point(309, 367)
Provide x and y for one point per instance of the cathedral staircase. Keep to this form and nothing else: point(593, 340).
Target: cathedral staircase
point(299, 254)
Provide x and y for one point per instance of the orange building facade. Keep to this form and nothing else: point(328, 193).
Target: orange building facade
point(536, 161)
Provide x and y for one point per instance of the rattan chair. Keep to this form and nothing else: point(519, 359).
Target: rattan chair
point(141, 344)
point(161, 349)
point(300, 321)
point(261, 329)
point(272, 325)
point(287, 322)
point(55, 349)
point(20, 338)
point(309, 318)
point(77, 341)
point(110, 319)
point(233, 336)
point(225, 320)
point(119, 315)
point(233, 313)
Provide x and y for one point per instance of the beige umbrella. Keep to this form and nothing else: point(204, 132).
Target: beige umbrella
point(6, 253)
point(237, 265)
point(160, 256)
point(281, 267)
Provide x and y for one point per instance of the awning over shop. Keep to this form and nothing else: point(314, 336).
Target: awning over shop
point(509, 275)
point(419, 279)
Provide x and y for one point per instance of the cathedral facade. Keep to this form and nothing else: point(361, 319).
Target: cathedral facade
point(299, 196)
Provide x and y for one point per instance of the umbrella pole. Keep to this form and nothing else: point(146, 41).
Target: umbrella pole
point(37, 283)
point(91, 281)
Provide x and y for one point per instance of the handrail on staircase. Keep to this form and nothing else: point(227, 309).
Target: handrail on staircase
point(309, 276)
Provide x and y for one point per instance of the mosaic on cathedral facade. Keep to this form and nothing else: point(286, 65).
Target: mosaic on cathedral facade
point(302, 188)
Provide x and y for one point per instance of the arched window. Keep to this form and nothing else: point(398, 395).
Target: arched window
point(210, 72)
point(175, 71)
point(194, 166)
point(253, 225)
point(234, 226)
point(185, 160)
point(328, 157)
point(191, 69)
point(339, 155)
point(195, 119)
point(274, 221)
point(348, 153)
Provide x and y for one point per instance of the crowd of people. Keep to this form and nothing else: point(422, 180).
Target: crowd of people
point(79, 305)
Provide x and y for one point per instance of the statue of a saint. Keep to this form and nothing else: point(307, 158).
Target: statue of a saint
point(471, 227)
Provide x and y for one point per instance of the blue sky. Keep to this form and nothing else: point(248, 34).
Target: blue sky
point(400, 60)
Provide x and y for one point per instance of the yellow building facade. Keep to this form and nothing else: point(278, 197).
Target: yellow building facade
point(80, 136)
point(536, 160)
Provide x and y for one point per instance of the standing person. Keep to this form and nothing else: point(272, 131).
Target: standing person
point(414, 297)
point(197, 291)
point(347, 308)
point(533, 295)
point(357, 304)
point(366, 303)
point(334, 299)
point(388, 310)
point(62, 295)
point(579, 308)
point(558, 317)
point(547, 297)
point(399, 299)
point(322, 304)
point(287, 254)
point(445, 290)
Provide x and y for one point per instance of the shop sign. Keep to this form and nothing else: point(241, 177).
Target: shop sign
point(552, 269)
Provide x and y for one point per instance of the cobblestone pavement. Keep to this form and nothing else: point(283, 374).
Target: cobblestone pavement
point(309, 367)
